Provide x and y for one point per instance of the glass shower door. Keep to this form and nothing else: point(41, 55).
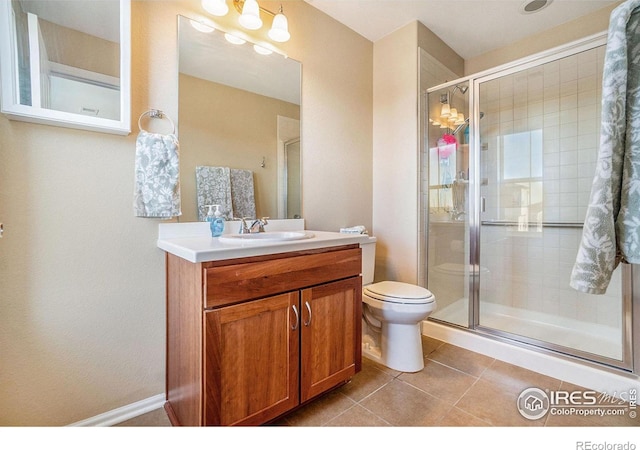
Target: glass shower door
point(538, 147)
point(447, 158)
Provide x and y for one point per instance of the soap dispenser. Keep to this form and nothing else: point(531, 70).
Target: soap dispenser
point(210, 216)
point(217, 224)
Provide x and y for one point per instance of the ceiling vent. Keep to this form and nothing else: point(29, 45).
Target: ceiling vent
point(532, 6)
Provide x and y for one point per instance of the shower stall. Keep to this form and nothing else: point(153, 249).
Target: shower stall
point(508, 159)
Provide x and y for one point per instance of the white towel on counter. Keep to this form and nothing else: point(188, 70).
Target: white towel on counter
point(157, 176)
point(358, 229)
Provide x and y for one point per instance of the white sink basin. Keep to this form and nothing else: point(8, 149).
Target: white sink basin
point(267, 236)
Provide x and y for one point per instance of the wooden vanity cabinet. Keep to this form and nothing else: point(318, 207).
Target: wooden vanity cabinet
point(250, 339)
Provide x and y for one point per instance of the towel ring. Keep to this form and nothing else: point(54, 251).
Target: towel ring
point(155, 114)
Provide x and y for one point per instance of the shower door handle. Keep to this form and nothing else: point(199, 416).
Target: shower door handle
point(483, 204)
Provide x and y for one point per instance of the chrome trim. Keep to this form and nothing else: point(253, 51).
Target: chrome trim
point(635, 317)
point(295, 310)
point(533, 225)
point(608, 364)
point(475, 204)
point(308, 322)
point(555, 348)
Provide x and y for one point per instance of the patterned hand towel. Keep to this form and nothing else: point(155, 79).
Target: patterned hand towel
point(157, 176)
point(213, 187)
point(611, 231)
point(242, 194)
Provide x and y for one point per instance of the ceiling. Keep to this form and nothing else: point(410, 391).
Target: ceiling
point(469, 27)
point(98, 18)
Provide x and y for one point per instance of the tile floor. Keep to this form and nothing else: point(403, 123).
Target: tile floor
point(457, 387)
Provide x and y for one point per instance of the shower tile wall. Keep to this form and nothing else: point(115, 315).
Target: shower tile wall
point(539, 145)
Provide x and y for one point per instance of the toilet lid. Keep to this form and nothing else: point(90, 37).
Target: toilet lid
point(397, 292)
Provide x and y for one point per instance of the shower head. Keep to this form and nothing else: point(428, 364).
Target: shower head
point(462, 89)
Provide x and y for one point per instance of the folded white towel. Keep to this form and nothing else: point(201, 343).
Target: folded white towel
point(358, 229)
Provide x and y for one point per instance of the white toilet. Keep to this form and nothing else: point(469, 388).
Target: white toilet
point(392, 314)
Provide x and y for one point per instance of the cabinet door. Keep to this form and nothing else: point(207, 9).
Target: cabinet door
point(331, 335)
point(251, 361)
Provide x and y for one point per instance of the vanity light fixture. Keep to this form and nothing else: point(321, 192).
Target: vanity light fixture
point(279, 31)
point(449, 116)
point(234, 39)
point(250, 16)
point(445, 111)
point(201, 26)
point(262, 50)
point(215, 7)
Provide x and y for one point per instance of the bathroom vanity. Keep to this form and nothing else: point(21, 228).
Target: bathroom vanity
point(256, 329)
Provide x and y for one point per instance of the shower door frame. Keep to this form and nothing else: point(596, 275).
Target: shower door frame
point(630, 353)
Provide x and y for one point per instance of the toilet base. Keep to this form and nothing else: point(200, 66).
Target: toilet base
point(371, 352)
point(404, 356)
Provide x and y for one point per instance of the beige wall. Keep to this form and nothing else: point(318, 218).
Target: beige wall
point(396, 159)
point(81, 280)
point(595, 22)
point(76, 49)
point(229, 127)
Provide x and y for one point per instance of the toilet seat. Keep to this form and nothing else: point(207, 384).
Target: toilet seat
point(397, 292)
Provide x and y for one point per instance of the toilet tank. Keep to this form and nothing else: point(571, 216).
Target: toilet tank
point(368, 260)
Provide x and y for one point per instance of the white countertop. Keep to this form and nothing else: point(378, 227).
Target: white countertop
point(193, 242)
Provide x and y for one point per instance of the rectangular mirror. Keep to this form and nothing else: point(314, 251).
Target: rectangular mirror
point(67, 63)
point(238, 110)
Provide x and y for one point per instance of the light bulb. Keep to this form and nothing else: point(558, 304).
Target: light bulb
point(215, 7)
point(250, 18)
point(279, 31)
point(234, 39)
point(445, 111)
point(262, 50)
point(201, 26)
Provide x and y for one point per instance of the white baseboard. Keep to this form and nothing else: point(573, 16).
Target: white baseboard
point(123, 413)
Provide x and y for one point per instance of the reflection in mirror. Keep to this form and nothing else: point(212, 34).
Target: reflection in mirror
point(64, 62)
point(238, 110)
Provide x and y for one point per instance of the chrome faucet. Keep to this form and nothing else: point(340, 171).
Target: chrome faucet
point(244, 228)
point(258, 225)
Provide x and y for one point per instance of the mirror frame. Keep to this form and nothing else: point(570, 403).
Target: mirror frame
point(35, 114)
